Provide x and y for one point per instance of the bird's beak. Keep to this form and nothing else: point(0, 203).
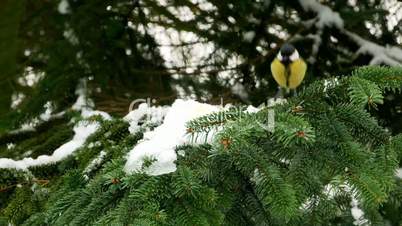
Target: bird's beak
point(285, 59)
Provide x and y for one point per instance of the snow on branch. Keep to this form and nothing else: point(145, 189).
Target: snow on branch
point(155, 154)
point(159, 145)
point(399, 173)
point(84, 104)
point(145, 114)
point(390, 55)
point(326, 17)
point(82, 130)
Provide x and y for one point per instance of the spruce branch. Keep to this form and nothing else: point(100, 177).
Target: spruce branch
point(387, 78)
point(363, 92)
point(207, 123)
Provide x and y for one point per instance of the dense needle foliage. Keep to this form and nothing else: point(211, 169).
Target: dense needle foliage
point(327, 152)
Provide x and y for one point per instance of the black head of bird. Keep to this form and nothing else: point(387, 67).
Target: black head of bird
point(288, 68)
point(285, 52)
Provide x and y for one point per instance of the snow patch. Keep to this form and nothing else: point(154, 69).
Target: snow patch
point(47, 114)
point(399, 173)
point(82, 131)
point(26, 127)
point(357, 213)
point(389, 55)
point(63, 7)
point(330, 83)
point(30, 77)
point(249, 36)
point(128, 52)
point(276, 101)
point(325, 15)
point(95, 163)
point(317, 41)
point(145, 114)
point(16, 99)
point(85, 105)
point(159, 144)
point(27, 52)
point(10, 146)
point(183, 13)
point(252, 109)
point(330, 190)
point(70, 35)
point(240, 91)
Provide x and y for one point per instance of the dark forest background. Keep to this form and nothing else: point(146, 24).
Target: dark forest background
point(181, 48)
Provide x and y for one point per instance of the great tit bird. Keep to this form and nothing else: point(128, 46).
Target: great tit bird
point(288, 69)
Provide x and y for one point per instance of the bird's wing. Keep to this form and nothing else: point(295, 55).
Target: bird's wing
point(297, 72)
point(279, 73)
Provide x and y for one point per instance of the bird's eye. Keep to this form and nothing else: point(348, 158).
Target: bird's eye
point(294, 56)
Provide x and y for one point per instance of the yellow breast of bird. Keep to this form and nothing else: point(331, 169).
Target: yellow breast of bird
point(290, 77)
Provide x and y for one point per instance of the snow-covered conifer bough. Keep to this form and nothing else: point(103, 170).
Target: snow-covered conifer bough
point(82, 130)
point(326, 17)
point(159, 144)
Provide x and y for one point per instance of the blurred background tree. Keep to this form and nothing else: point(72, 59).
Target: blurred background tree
point(204, 49)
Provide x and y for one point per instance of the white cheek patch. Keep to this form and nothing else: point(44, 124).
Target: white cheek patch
point(294, 56)
point(279, 56)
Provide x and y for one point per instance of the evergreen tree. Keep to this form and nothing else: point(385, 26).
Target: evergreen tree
point(331, 156)
point(131, 49)
point(327, 162)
